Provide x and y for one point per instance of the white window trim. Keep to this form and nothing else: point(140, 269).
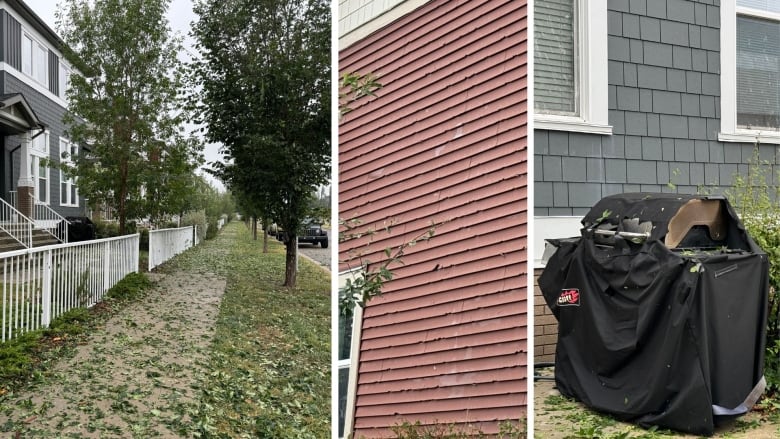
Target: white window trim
point(36, 45)
point(354, 353)
point(729, 132)
point(35, 157)
point(70, 181)
point(592, 82)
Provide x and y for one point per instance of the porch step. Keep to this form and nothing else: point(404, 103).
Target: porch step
point(40, 238)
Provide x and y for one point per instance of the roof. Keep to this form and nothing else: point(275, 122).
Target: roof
point(16, 115)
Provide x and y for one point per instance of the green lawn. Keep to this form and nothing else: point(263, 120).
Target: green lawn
point(269, 369)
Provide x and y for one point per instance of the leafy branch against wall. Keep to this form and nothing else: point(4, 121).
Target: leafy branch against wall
point(357, 86)
point(358, 290)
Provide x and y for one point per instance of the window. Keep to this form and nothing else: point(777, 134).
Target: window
point(348, 346)
point(63, 79)
point(69, 195)
point(35, 60)
point(570, 66)
point(750, 71)
point(38, 171)
point(27, 57)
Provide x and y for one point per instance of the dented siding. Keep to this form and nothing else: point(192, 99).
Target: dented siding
point(443, 141)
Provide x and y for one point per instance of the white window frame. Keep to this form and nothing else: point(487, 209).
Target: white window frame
point(63, 79)
point(35, 168)
point(70, 182)
point(35, 48)
point(729, 131)
point(592, 79)
point(351, 363)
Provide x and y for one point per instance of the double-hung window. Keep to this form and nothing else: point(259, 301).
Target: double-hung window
point(750, 71)
point(38, 169)
point(69, 194)
point(35, 60)
point(570, 66)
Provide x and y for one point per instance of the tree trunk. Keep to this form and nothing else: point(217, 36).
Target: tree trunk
point(265, 235)
point(291, 261)
point(254, 228)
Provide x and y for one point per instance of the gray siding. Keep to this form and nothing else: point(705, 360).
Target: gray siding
point(54, 73)
point(50, 114)
point(11, 47)
point(664, 106)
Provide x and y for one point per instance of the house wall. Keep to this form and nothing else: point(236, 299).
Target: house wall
point(50, 114)
point(443, 141)
point(665, 109)
point(664, 106)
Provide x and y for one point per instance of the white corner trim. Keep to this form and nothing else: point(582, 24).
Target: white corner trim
point(552, 227)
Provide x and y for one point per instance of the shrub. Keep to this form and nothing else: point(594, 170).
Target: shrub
point(106, 229)
point(211, 231)
point(756, 200)
point(197, 218)
point(130, 287)
point(71, 322)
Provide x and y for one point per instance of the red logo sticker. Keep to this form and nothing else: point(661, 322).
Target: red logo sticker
point(569, 297)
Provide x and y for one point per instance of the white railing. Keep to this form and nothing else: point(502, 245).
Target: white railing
point(39, 284)
point(13, 199)
point(167, 243)
point(47, 219)
point(16, 225)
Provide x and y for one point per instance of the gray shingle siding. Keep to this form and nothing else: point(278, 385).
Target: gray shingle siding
point(664, 106)
point(50, 114)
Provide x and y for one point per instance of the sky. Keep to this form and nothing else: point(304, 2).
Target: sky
point(180, 15)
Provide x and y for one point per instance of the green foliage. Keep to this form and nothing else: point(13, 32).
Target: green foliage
point(196, 219)
point(125, 107)
point(269, 374)
point(264, 73)
point(131, 287)
point(356, 86)
point(755, 198)
point(73, 322)
point(106, 229)
point(17, 356)
point(358, 290)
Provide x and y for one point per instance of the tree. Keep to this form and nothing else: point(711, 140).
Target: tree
point(265, 77)
point(124, 106)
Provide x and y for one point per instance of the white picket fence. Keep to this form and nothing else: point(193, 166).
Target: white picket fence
point(167, 243)
point(40, 283)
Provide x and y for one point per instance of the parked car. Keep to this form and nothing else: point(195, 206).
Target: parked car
point(314, 234)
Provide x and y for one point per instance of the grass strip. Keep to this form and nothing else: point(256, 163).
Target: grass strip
point(269, 369)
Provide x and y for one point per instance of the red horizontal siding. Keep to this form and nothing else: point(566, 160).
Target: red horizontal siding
point(444, 141)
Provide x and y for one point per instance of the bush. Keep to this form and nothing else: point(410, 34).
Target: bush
point(756, 201)
point(197, 218)
point(71, 322)
point(106, 229)
point(211, 231)
point(130, 287)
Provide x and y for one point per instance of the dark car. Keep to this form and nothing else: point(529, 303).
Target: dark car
point(313, 233)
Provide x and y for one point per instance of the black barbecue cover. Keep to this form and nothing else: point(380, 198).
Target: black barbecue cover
point(658, 336)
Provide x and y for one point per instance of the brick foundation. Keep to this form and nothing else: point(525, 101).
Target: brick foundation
point(545, 326)
point(25, 200)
